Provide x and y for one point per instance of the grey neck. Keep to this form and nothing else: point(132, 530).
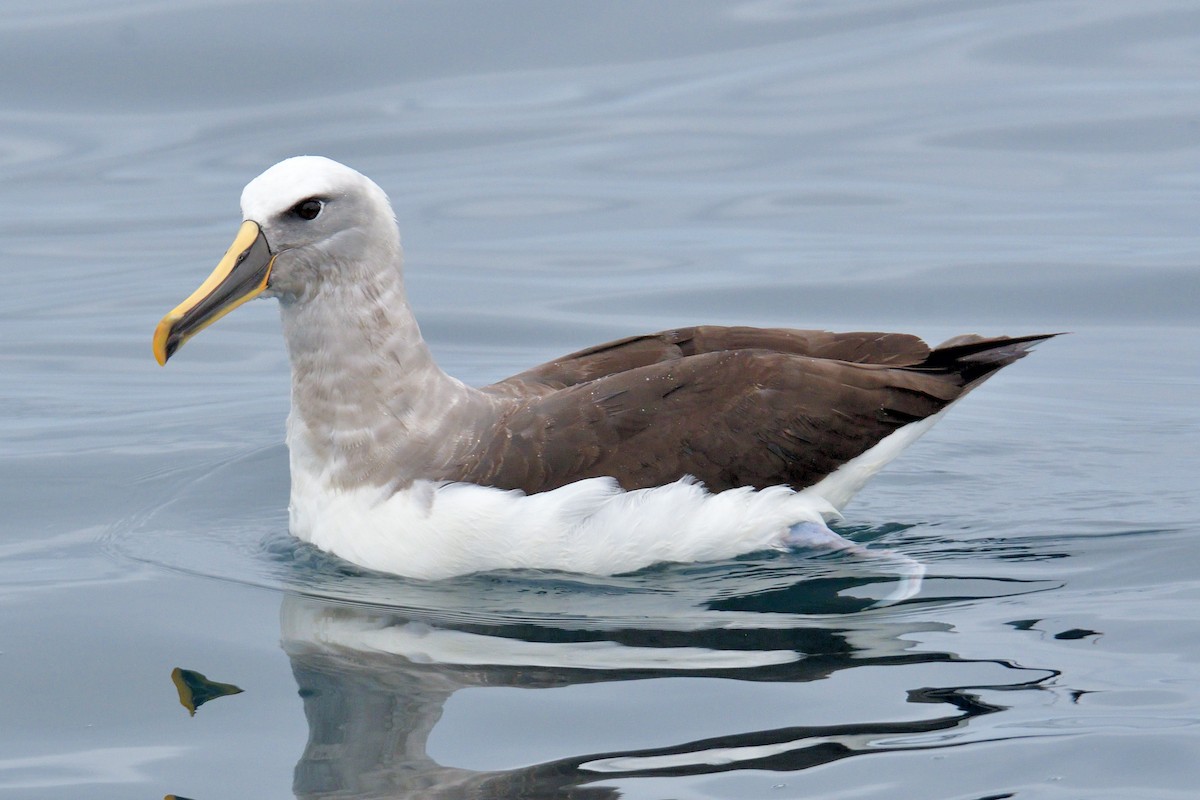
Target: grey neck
point(369, 405)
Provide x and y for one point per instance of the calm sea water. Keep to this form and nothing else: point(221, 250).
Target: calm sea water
point(564, 174)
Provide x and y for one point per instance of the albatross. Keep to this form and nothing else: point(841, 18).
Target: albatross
point(685, 445)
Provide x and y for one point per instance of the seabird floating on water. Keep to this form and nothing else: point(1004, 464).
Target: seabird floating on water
point(684, 445)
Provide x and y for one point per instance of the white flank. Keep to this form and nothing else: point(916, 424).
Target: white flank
point(437, 530)
point(434, 530)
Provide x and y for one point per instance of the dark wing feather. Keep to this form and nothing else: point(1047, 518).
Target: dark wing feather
point(611, 358)
point(743, 417)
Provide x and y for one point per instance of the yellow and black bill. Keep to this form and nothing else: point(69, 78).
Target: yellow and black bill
point(240, 276)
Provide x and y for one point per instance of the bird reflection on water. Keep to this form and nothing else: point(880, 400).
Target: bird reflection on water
point(376, 682)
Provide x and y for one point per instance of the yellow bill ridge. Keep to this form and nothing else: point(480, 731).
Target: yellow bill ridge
point(240, 276)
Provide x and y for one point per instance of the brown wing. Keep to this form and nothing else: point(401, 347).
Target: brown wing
point(738, 418)
point(729, 417)
point(612, 358)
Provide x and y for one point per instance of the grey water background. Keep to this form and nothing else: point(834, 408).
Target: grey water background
point(565, 174)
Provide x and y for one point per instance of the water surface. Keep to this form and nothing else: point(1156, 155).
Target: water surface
point(563, 175)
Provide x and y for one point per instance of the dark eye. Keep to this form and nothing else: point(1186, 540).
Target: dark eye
point(308, 209)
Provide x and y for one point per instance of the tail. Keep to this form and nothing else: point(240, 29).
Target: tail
point(915, 402)
point(973, 358)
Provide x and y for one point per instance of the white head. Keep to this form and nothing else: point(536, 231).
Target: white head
point(324, 223)
point(312, 227)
